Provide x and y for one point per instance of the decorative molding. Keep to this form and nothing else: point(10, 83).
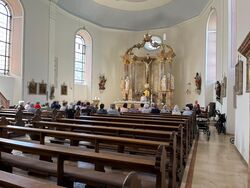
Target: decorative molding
point(244, 48)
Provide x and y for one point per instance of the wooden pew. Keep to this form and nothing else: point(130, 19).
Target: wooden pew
point(61, 171)
point(8, 180)
point(186, 123)
point(169, 126)
point(122, 132)
point(192, 118)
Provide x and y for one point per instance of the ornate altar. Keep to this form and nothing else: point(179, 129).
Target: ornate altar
point(148, 74)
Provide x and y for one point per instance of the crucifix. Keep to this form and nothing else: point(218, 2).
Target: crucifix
point(147, 61)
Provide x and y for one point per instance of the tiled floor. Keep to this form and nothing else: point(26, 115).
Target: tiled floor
point(218, 164)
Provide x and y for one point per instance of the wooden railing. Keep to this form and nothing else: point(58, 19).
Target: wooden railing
point(3, 101)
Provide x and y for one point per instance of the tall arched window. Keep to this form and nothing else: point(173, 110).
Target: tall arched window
point(83, 65)
point(211, 55)
point(80, 60)
point(5, 29)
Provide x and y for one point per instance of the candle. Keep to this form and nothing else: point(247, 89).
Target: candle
point(164, 36)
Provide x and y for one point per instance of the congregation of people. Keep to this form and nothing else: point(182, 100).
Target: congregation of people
point(86, 108)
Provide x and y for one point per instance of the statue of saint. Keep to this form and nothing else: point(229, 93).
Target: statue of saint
point(126, 85)
point(170, 81)
point(164, 83)
point(218, 90)
point(198, 81)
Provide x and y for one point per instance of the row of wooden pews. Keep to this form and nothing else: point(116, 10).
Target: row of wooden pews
point(167, 138)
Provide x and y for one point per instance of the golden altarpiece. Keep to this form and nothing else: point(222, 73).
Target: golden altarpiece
point(148, 74)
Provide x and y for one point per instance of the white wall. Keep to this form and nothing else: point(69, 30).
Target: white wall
point(242, 111)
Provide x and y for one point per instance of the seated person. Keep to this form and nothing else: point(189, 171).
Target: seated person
point(165, 109)
point(154, 109)
point(141, 107)
point(124, 108)
point(37, 105)
point(132, 109)
point(187, 111)
point(176, 110)
point(70, 111)
point(143, 98)
point(197, 107)
point(64, 106)
point(86, 109)
point(146, 109)
point(27, 105)
point(102, 110)
point(112, 110)
point(31, 108)
point(46, 107)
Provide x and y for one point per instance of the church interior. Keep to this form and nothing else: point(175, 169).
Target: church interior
point(125, 93)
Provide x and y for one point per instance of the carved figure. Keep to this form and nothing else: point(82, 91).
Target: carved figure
point(218, 90)
point(52, 91)
point(102, 82)
point(198, 81)
point(126, 87)
point(164, 83)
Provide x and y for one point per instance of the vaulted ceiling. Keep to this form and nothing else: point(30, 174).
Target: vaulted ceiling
point(134, 15)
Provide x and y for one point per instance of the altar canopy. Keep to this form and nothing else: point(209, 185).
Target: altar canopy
point(148, 74)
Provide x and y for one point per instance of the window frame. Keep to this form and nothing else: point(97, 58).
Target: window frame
point(7, 41)
point(81, 81)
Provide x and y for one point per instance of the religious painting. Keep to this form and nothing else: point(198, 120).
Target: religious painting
point(32, 87)
point(239, 78)
point(248, 77)
point(64, 89)
point(42, 88)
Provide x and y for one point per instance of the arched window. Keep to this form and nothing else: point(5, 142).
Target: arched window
point(83, 65)
point(5, 29)
point(211, 55)
point(80, 60)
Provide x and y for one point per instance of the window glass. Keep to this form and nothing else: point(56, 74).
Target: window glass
point(5, 25)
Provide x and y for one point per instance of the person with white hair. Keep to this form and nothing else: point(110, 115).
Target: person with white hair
point(176, 110)
point(27, 105)
point(20, 105)
point(187, 111)
point(146, 109)
point(165, 109)
point(113, 111)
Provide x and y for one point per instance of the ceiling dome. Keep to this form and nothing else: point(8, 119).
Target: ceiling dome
point(133, 5)
point(143, 15)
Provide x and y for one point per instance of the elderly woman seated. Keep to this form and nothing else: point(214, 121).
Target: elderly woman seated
point(165, 109)
point(113, 111)
point(187, 111)
point(146, 109)
point(176, 110)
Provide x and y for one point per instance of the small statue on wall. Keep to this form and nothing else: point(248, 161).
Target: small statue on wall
point(52, 92)
point(218, 90)
point(102, 82)
point(197, 79)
